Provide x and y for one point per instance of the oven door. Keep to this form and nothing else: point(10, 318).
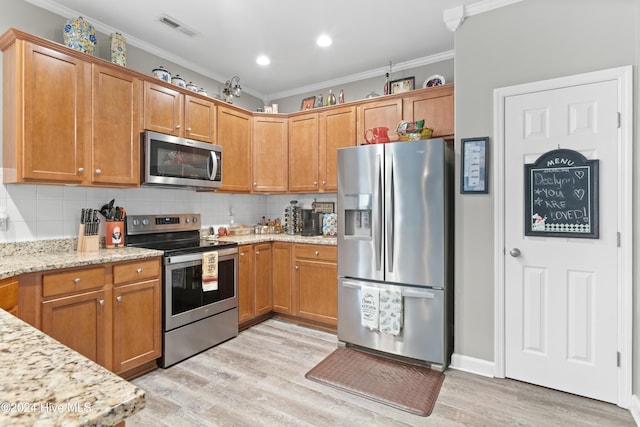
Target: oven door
point(184, 299)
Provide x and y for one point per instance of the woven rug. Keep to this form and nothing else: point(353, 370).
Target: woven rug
point(403, 386)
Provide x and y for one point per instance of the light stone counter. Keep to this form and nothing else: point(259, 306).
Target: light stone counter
point(291, 238)
point(27, 257)
point(44, 383)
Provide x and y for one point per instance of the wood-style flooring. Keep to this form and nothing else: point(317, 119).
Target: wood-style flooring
point(257, 379)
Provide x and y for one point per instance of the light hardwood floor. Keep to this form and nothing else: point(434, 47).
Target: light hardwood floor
point(257, 379)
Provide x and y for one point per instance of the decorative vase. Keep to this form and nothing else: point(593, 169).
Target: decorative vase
point(79, 35)
point(118, 49)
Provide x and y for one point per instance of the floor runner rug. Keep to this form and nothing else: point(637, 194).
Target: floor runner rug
point(401, 385)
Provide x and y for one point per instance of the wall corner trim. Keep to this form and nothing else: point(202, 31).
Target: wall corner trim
point(455, 16)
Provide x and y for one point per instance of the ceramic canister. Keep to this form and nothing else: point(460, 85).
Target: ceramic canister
point(78, 34)
point(162, 74)
point(178, 81)
point(118, 49)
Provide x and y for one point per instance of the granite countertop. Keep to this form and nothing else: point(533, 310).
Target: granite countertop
point(44, 383)
point(29, 257)
point(291, 238)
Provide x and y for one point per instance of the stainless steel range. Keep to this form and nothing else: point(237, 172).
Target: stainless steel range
point(196, 315)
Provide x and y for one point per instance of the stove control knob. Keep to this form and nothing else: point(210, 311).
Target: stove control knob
point(195, 220)
point(188, 220)
point(145, 221)
point(135, 222)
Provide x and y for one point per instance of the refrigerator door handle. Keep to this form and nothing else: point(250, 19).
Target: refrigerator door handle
point(418, 294)
point(390, 211)
point(377, 221)
point(351, 285)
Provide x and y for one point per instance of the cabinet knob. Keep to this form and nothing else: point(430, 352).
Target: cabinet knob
point(80, 170)
point(242, 254)
point(119, 298)
point(315, 182)
point(76, 280)
point(98, 171)
point(324, 182)
point(139, 270)
point(257, 252)
point(101, 302)
point(297, 267)
point(255, 183)
point(317, 253)
point(178, 126)
point(188, 129)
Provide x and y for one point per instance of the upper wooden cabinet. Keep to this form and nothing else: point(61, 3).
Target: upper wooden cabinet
point(303, 153)
point(169, 111)
point(337, 130)
point(435, 106)
point(270, 153)
point(382, 113)
point(234, 135)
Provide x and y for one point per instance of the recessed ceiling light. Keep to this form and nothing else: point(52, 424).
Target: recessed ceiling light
point(324, 41)
point(263, 60)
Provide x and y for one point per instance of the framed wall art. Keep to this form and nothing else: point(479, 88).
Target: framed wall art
point(307, 103)
point(402, 85)
point(474, 168)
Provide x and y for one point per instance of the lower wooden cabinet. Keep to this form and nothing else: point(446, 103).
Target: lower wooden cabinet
point(110, 313)
point(254, 281)
point(316, 283)
point(282, 298)
point(9, 295)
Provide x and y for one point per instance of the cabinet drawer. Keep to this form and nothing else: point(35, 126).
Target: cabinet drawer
point(136, 271)
point(323, 252)
point(8, 294)
point(72, 281)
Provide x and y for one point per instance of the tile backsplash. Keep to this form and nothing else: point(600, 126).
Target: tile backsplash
point(38, 212)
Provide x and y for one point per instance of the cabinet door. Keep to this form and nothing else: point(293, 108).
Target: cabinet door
point(199, 119)
point(9, 295)
point(337, 130)
point(317, 290)
point(234, 135)
point(263, 277)
point(78, 321)
point(435, 106)
point(57, 107)
point(246, 293)
point(303, 153)
point(282, 277)
point(385, 113)
point(163, 109)
point(137, 325)
point(270, 154)
point(116, 114)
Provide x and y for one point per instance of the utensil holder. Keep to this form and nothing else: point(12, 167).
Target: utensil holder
point(87, 243)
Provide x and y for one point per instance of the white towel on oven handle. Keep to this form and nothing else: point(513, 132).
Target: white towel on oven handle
point(210, 271)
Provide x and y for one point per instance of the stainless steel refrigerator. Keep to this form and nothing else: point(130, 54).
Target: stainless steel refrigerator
point(395, 239)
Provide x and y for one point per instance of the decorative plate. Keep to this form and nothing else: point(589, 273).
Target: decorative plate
point(435, 80)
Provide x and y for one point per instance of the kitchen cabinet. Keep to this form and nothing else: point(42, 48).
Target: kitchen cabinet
point(435, 106)
point(46, 114)
point(168, 110)
point(282, 273)
point(234, 135)
point(337, 130)
point(270, 152)
point(116, 123)
point(137, 314)
point(254, 281)
point(9, 295)
point(316, 283)
point(303, 153)
point(385, 112)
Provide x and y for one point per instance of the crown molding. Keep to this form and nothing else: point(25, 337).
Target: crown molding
point(455, 16)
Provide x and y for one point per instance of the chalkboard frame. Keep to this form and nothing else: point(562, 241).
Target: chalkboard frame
point(562, 160)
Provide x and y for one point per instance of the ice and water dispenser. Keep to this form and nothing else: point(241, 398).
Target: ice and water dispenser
point(357, 215)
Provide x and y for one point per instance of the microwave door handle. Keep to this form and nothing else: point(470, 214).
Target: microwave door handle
point(212, 166)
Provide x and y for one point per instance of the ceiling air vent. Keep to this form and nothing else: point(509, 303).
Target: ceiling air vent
point(176, 25)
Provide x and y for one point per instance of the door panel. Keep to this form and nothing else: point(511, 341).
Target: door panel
point(561, 293)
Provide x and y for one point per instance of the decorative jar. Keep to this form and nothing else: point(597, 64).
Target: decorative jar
point(118, 49)
point(178, 81)
point(201, 91)
point(192, 87)
point(162, 74)
point(80, 35)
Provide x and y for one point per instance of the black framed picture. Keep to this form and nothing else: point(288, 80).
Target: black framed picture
point(402, 85)
point(474, 170)
point(307, 103)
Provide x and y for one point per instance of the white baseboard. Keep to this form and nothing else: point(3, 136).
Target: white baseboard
point(472, 365)
point(634, 408)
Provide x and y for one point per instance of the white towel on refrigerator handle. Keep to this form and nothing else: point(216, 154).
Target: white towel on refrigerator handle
point(391, 311)
point(369, 307)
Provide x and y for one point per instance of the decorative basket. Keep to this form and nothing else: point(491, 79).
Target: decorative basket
point(412, 131)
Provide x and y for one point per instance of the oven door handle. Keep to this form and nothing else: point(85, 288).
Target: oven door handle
point(176, 259)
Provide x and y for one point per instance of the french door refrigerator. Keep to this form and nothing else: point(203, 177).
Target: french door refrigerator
point(395, 238)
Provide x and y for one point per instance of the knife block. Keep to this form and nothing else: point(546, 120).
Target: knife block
point(87, 243)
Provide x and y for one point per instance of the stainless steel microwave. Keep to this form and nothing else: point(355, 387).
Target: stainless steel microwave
point(171, 161)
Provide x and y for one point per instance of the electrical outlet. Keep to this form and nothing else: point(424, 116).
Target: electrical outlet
point(4, 220)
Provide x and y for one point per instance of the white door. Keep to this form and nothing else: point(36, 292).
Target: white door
point(561, 312)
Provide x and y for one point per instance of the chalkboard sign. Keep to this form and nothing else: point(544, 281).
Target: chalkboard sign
point(561, 196)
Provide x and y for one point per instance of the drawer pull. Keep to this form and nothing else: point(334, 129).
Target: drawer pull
point(119, 298)
point(101, 302)
point(139, 270)
point(76, 280)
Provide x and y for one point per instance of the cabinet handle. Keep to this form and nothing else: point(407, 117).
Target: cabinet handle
point(76, 280)
point(324, 182)
point(98, 171)
point(177, 126)
point(297, 267)
point(80, 170)
point(119, 298)
point(257, 252)
point(255, 183)
point(317, 253)
point(242, 254)
point(139, 270)
point(101, 302)
point(188, 129)
point(315, 182)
